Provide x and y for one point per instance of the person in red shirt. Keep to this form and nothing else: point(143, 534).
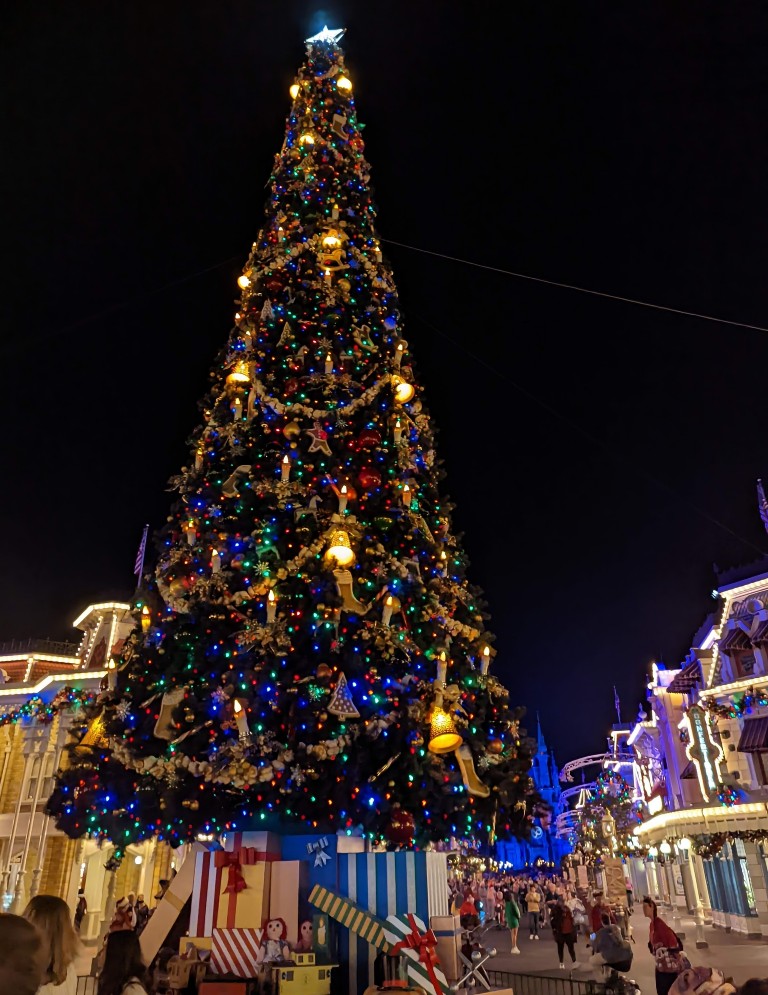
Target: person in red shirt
point(664, 944)
point(599, 908)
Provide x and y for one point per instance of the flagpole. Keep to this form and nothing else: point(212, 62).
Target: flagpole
point(138, 568)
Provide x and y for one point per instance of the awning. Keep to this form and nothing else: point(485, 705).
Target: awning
point(760, 635)
point(686, 679)
point(735, 639)
point(754, 735)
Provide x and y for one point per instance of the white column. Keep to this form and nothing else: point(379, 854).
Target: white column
point(109, 905)
point(37, 872)
point(4, 883)
point(17, 905)
point(701, 885)
point(694, 900)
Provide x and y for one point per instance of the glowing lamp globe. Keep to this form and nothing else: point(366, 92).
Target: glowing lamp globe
point(294, 91)
point(340, 549)
point(243, 281)
point(443, 737)
point(665, 848)
point(684, 843)
point(239, 374)
point(331, 240)
point(344, 83)
point(404, 391)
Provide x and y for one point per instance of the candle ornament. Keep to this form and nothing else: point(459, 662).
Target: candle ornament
point(271, 606)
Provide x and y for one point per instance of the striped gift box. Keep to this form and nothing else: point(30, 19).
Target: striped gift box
point(357, 920)
point(409, 936)
point(386, 884)
point(236, 951)
point(213, 906)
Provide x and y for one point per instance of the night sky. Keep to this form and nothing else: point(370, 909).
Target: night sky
point(602, 455)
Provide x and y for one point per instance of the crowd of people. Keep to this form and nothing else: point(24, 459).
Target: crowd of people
point(533, 902)
point(39, 950)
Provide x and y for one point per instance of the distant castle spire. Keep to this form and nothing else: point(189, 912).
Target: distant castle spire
point(540, 744)
point(762, 504)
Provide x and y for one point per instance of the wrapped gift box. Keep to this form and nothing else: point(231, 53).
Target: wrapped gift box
point(171, 904)
point(447, 930)
point(409, 937)
point(267, 844)
point(288, 894)
point(385, 884)
point(231, 986)
point(321, 852)
point(231, 891)
point(236, 951)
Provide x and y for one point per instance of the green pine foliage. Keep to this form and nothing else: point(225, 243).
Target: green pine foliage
point(315, 424)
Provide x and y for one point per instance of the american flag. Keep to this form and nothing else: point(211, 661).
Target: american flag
point(762, 504)
point(139, 565)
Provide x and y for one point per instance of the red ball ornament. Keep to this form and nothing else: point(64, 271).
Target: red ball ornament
point(369, 479)
point(401, 826)
point(291, 386)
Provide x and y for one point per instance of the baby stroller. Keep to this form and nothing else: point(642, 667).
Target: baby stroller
point(473, 954)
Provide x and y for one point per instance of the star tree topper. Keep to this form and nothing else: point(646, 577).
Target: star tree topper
point(327, 34)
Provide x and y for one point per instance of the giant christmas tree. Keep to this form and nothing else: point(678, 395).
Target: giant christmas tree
point(308, 652)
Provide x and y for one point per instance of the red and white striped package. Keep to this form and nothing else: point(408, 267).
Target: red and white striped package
point(236, 951)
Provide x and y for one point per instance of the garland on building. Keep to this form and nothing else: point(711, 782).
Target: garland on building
point(67, 700)
point(708, 846)
point(741, 704)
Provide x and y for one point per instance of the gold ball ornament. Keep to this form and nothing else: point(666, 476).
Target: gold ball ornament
point(323, 670)
point(495, 746)
point(292, 430)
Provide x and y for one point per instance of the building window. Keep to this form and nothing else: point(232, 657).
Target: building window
point(745, 664)
point(714, 885)
point(741, 862)
point(762, 850)
point(760, 763)
point(46, 764)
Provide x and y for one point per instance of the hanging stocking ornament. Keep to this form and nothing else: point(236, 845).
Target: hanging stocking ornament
point(472, 782)
point(165, 727)
point(341, 703)
point(229, 487)
point(347, 594)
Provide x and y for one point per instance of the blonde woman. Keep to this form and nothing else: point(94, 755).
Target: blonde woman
point(52, 917)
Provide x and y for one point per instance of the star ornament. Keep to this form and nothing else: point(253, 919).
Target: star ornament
point(326, 35)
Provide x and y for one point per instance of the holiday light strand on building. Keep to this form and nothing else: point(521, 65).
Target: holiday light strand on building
point(740, 705)
point(36, 708)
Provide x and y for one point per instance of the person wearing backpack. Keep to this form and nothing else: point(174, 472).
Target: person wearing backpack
point(610, 947)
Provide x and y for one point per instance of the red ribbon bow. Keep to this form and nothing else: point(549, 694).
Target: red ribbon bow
point(423, 944)
point(235, 880)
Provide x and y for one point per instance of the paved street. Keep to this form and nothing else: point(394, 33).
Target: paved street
point(733, 954)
